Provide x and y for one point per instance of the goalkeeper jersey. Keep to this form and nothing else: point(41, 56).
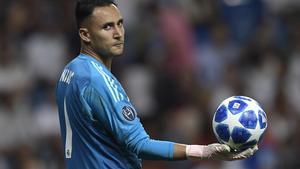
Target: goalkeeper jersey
point(99, 125)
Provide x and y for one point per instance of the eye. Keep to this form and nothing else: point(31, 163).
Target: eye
point(120, 23)
point(107, 27)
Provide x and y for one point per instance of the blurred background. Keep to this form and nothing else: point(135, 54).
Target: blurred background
point(182, 58)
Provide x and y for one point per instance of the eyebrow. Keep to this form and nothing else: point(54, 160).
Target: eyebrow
point(121, 20)
point(112, 23)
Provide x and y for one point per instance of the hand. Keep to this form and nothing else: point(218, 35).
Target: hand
point(217, 151)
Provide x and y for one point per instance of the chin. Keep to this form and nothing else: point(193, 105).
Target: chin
point(117, 53)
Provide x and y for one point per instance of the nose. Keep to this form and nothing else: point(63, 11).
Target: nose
point(118, 32)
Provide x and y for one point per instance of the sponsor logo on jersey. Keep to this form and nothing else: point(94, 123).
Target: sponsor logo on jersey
point(128, 113)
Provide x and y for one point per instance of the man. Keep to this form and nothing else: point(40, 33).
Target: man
point(99, 126)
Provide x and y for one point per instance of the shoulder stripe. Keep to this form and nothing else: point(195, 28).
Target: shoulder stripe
point(109, 82)
point(114, 86)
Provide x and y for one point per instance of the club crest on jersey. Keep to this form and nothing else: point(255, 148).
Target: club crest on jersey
point(128, 113)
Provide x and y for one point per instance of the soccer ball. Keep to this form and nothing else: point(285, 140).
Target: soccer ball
point(239, 122)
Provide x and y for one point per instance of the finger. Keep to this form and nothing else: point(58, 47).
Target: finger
point(255, 148)
point(246, 153)
point(239, 157)
point(221, 148)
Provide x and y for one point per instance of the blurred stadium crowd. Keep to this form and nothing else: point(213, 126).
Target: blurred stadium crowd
point(182, 58)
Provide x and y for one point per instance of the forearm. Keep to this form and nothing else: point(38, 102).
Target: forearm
point(156, 150)
point(162, 150)
point(179, 152)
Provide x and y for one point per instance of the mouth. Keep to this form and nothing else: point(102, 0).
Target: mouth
point(119, 44)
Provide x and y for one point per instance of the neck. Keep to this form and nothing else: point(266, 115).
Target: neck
point(106, 61)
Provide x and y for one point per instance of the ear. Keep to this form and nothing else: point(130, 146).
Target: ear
point(84, 35)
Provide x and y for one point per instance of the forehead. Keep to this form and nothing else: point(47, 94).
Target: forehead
point(106, 14)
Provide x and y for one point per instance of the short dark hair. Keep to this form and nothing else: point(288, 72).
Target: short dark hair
point(84, 8)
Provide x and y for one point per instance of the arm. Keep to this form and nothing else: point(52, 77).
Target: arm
point(131, 134)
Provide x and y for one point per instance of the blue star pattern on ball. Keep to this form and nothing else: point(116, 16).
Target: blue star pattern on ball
point(237, 106)
point(249, 119)
point(223, 132)
point(221, 114)
point(262, 119)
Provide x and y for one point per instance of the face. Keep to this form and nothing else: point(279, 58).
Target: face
point(105, 31)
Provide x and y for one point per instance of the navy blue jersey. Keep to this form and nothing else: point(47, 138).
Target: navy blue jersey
point(99, 125)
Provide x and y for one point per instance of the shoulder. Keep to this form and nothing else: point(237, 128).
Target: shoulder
point(81, 73)
point(93, 76)
point(98, 73)
point(87, 69)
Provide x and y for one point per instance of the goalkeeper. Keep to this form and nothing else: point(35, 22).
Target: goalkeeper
point(99, 125)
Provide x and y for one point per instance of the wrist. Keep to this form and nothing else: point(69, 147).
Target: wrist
point(195, 151)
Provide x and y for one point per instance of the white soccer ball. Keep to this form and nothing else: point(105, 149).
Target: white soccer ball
point(239, 122)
